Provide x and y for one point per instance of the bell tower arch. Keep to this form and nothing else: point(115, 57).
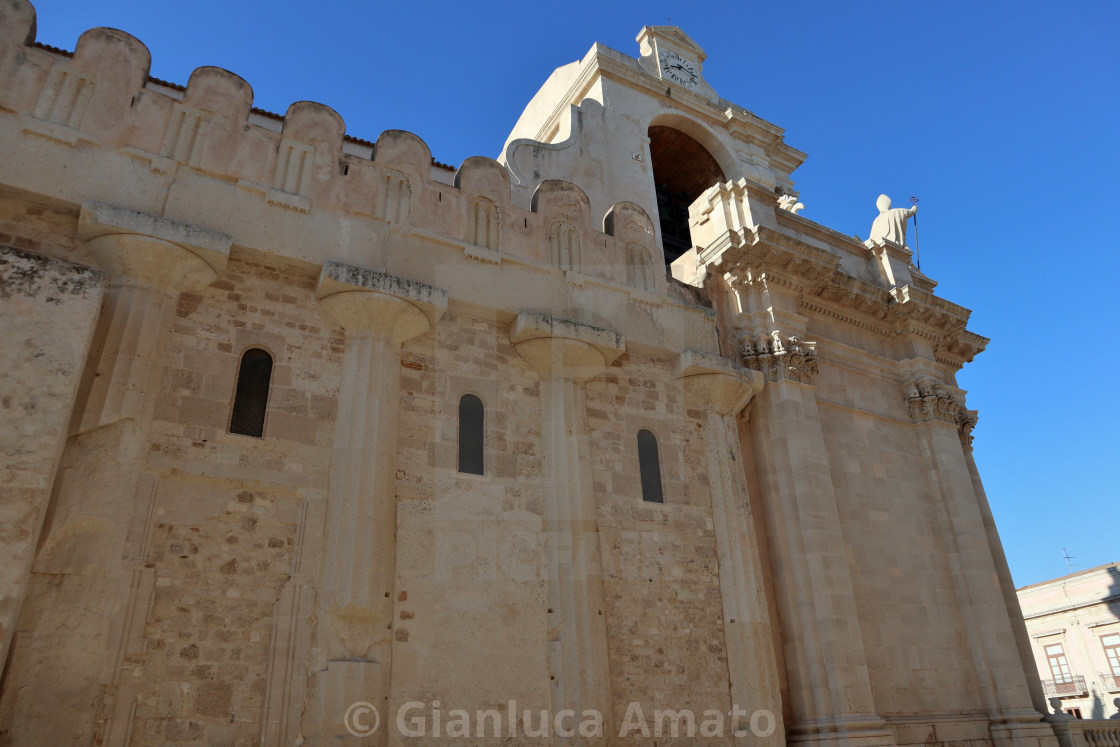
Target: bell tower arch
point(682, 170)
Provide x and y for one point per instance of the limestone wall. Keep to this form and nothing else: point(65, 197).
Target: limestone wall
point(890, 521)
point(822, 551)
point(47, 309)
point(661, 582)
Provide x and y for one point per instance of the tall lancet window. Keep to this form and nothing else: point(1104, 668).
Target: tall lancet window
point(250, 399)
point(650, 466)
point(471, 435)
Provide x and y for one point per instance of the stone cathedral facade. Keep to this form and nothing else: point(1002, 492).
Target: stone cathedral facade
point(565, 447)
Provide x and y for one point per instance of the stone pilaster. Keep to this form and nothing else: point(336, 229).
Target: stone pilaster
point(944, 427)
point(89, 589)
point(830, 697)
point(567, 354)
point(829, 690)
point(352, 650)
point(721, 390)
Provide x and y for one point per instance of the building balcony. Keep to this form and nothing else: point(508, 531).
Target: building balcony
point(1068, 687)
point(1111, 682)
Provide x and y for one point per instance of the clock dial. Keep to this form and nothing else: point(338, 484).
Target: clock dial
point(679, 70)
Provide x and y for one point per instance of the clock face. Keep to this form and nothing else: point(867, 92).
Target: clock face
point(679, 70)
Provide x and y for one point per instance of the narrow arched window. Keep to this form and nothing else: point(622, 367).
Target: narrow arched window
point(250, 399)
point(650, 467)
point(471, 430)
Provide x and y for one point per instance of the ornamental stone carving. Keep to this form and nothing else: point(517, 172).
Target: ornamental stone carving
point(966, 421)
point(927, 400)
point(790, 358)
point(790, 204)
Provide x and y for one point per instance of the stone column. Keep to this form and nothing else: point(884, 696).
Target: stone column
point(721, 390)
point(89, 589)
point(353, 640)
point(939, 418)
point(149, 261)
point(567, 354)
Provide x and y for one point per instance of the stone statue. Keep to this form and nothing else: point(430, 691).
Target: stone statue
point(891, 223)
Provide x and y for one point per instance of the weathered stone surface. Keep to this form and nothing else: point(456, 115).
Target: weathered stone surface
point(823, 552)
point(47, 308)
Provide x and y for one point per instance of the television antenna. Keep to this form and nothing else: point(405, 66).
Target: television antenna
point(1069, 560)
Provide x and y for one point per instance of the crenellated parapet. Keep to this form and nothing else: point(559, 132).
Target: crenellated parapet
point(570, 215)
point(298, 187)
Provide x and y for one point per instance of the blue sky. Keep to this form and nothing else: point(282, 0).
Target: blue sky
point(1002, 117)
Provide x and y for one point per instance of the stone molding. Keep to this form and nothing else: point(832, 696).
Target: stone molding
point(748, 253)
point(152, 251)
point(789, 359)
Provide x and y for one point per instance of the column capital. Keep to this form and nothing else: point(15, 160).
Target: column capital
point(561, 347)
point(778, 357)
point(713, 381)
point(383, 306)
point(966, 421)
point(928, 400)
point(151, 251)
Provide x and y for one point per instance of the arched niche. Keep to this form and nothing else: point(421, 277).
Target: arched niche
point(683, 169)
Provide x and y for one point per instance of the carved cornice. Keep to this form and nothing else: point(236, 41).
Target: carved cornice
point(920, 313)
point(960, 349)
point(814, 278)
point(767, 254)
point(790, 359)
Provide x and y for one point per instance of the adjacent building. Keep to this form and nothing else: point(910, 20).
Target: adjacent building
point(1074, 626)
